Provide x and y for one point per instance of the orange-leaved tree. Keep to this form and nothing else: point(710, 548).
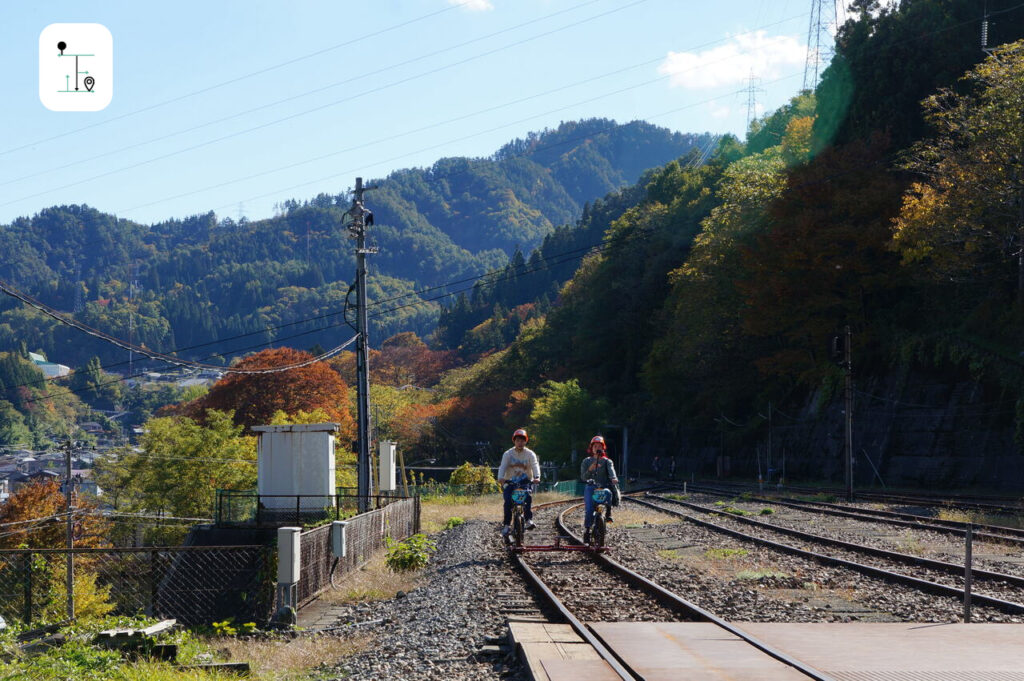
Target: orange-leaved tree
point(255, 398)
point(34, 516)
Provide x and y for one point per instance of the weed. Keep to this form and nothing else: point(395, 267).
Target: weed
point(757, 575)
point(736, 511)
point(908, 543)
point(410, 554)
point(823, 497)
point(724, 554)
point(454, 521)
point(228, 628)
point(767, 511)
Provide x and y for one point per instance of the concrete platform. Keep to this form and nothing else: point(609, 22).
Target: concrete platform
point(694, 651)
point(902, 652)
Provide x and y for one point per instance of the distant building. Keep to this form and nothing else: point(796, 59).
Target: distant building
point(49, 369)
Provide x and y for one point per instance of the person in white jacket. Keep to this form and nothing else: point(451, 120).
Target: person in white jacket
point(516, 462)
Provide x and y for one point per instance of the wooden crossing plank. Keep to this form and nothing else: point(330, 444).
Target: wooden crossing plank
point(554, 652)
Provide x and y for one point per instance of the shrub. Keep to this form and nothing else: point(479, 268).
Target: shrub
point(410, 554)
point(478, 476)
point(454, 521)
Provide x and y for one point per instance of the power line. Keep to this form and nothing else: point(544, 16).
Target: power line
point(362, 93)
point(601, 245)
point(50, 312)
point(303, 94)
point(404, 134)
point(237, 79)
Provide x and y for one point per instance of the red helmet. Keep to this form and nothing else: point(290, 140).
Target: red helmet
point(596, 440)
point(520, 433)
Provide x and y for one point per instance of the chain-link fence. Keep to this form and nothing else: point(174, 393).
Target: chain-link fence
point(247, 508)
point(365, 534)
point(195, 585)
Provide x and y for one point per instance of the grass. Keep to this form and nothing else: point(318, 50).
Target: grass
point(296, 658)
point(908, 543)
point(757, 575)
point(635, 516)
point(375, 581)
point(977, 517)
point(724, 554)
point(823, 497)
point(437, 512)
point(270, 659)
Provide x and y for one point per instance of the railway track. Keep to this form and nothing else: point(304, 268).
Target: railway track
point(588, 587)
point(1010, 506)
point(942, 578)
point(1006, 543)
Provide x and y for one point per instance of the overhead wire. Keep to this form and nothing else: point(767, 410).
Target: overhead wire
point(393, 137)
point(174, 360)
point(307, 93)
point(74, 323)
point(360, 94)
point(570, 255)
point(237, 79)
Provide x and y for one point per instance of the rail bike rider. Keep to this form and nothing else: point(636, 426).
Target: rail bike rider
point(517, 461)
point(597, 471)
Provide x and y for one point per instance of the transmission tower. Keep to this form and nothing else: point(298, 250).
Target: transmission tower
point(820, 44)
point(752, 91)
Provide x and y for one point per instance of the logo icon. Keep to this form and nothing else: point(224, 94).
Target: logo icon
point(76, 67)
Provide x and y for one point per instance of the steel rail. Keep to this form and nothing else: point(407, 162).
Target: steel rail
point(996, 504)
point(942, 566)
point(871, 570)
point(677, 602)
point(575, 623)
point(993, 532)
point(1014, 534)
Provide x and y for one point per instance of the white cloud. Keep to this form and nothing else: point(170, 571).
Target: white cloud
point(473, 5)
point(717, 111)
point(732, 63)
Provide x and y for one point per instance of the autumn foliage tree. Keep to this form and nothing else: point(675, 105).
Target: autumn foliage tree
point(254, 398)
point(965, 217)
point(38, 509)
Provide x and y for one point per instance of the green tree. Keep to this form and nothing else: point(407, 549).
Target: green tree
point(564, 418)
point(13, 430)
point(183, 463)
point(966, 217)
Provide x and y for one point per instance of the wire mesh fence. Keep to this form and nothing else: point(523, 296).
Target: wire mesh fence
point(195, 585)
point(365, 535)
point(248, 508)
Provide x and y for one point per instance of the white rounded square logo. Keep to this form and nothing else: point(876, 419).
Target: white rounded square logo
point(76, 67)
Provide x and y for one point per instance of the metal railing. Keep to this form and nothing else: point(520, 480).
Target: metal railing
point(365, 535)
point(195, 585)
point(247, 508)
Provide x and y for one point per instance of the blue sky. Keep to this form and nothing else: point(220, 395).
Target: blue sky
point(236, 106)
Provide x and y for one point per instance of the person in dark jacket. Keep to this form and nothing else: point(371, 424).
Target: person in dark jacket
point(597, 467)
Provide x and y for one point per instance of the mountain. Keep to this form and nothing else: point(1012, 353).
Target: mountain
point(199, 280)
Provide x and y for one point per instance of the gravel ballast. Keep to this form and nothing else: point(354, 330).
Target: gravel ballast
point(449, 627)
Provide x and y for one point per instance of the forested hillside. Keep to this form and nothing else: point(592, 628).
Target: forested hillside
point(889, 200)
point(193, 282)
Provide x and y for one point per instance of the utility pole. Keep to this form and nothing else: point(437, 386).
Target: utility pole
point(357, 229)
point(848, 367)
point(70, 567)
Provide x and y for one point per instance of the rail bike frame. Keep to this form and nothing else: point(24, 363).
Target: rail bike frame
point(557, 546)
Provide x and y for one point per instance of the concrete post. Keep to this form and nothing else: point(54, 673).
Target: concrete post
point(289, 569)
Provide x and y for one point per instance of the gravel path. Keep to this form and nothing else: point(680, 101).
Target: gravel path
point(440, 630)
